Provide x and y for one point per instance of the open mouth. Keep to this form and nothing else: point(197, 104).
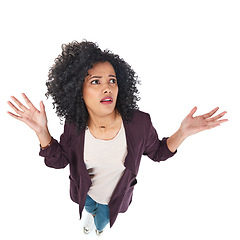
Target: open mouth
point(106, 100)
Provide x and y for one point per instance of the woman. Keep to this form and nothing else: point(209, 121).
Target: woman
point(105, 134)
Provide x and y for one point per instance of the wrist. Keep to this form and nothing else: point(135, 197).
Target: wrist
point(48, 145)
point(43, 131)
point(176, 140)
point(44, 137)
point(182, 134)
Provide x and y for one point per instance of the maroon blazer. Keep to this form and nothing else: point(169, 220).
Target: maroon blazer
point(142, 139)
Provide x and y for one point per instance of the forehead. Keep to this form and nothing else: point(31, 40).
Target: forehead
point(101, 68)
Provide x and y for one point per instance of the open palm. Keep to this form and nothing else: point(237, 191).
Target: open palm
point(35, 119)
point(191, 125)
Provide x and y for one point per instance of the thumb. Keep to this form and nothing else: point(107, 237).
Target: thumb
point(192, 112)
point(42, 107)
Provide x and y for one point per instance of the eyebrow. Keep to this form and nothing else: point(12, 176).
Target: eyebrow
point(101, 76)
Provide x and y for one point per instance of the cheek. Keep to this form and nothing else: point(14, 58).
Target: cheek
point(88, 94)
point(116, 90)
point(85, 93)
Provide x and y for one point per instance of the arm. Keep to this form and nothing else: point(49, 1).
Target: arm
point(192, 125)
point(154, 148)
point(56, 154)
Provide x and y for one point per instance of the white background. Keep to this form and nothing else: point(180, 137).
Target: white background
point(186, 54)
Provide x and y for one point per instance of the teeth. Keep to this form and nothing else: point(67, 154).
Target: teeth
point(107, 100)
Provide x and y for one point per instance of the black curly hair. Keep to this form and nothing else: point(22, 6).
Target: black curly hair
point(66, 77)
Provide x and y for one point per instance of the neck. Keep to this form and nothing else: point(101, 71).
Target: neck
point(102, 123)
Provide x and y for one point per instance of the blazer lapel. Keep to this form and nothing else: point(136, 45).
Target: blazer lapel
point(129, 163)
point(82, 167)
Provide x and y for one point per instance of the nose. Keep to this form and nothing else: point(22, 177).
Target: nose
point(107, 89)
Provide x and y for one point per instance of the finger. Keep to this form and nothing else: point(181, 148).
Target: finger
point(192, 111)
point(216, 123)
point(207, 115)
point(217, 117)
point(28, 102)
point(19, 103)
point(14, 108)
point(15, 116)
point(222, 121)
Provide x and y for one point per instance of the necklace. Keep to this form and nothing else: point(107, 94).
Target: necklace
point(108, 125)
point(103, 127)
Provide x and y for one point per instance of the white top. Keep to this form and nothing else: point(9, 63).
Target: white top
point(104, 160)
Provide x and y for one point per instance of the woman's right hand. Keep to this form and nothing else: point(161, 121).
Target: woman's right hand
point(35, 119)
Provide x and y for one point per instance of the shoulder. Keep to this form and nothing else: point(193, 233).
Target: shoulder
point(140, 119)
point(70, 130)
point(141, 116)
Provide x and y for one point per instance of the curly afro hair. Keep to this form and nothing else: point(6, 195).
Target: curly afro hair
point(67, 75)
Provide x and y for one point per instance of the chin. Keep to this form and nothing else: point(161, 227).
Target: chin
point(107, 111)
point(102, 111)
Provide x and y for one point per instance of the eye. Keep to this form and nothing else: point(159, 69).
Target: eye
point(113, 80)
point(95, 82)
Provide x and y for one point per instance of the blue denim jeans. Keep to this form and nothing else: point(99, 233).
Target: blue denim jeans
point(100, 211)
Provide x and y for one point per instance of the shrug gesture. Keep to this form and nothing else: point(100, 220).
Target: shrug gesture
point(37, 120)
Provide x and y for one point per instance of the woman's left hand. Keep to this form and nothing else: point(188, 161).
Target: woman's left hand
point(191, 125)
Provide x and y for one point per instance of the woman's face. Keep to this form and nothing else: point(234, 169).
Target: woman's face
point(100, 83)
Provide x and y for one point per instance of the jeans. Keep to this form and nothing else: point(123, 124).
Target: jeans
point(100, 211)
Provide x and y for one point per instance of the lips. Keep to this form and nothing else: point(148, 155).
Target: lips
point(107, 100)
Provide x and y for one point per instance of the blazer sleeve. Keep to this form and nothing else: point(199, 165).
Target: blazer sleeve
point(56, 156)
point(156, 149)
